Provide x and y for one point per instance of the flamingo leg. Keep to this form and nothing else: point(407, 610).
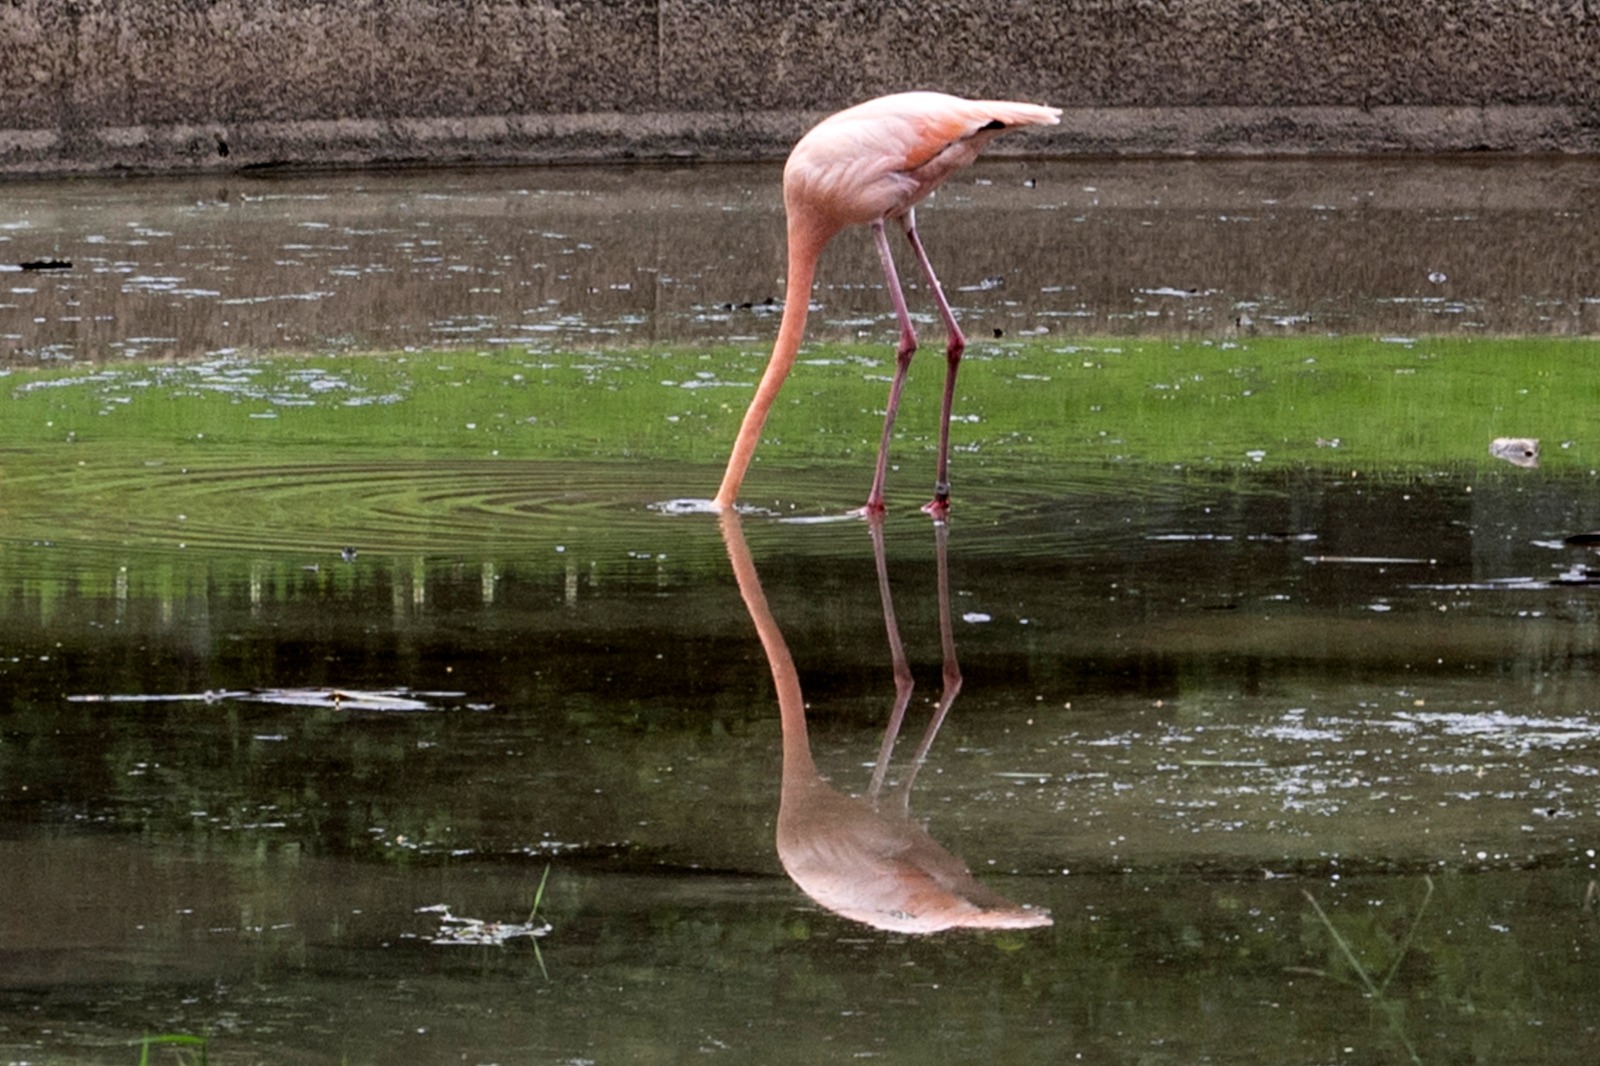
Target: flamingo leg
point(903, 353)
point(939, 506)
point(903, 683)
point(952, 668)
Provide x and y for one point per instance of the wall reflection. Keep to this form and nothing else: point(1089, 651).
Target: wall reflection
point(864, 857)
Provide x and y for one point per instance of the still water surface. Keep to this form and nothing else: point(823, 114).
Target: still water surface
point(582, 257)
point(1302, 767)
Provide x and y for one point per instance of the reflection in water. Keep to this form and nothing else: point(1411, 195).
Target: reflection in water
point(1244, 724)
point(865, 858)
point(571, 258)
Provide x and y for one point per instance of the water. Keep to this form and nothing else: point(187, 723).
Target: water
point(583, 257)
point(1251, 738)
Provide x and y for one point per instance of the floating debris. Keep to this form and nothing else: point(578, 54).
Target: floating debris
point(1371, 560)
point(209, 696)
point(344, 699)
point(686, 506)
point(1518, 451)
point(988, 284)
point(456, 931)
point(1497, 584)
point(339, 699)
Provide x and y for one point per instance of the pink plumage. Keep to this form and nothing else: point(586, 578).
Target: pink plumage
point(866, 165)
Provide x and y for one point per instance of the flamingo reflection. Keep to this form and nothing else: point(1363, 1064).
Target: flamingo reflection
point(865, 858)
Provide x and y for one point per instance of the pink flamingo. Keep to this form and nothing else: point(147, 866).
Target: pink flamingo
point(864, 166)
point(865, 858)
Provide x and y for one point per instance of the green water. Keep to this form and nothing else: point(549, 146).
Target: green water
point(1367, 407)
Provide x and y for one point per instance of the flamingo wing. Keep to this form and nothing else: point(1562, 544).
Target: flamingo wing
point(880, 158)
point(943, 124)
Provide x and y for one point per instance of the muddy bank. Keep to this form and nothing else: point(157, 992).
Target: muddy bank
point(96, 85)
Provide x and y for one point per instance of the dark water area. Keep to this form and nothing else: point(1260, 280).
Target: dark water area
point(580, 257)
point(305, 804)
point(1298, 765)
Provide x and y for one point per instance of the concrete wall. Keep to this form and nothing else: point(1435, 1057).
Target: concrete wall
point(196, 84)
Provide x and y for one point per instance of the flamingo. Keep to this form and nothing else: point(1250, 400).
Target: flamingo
point(865, 858)
point(868, 165)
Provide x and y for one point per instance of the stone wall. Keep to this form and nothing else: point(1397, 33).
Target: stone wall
point(195, 84)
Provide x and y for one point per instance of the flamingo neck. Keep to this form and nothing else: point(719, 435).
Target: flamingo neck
point(805, 246)
point(798, 767)
point(797, 764)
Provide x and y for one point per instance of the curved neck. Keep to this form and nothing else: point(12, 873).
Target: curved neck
point(798, 767)
point(805, 246)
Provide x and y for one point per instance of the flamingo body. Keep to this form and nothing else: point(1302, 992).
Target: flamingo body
point(879, 159)
point(866, 165)
point(864, 857)
point(880, 867)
